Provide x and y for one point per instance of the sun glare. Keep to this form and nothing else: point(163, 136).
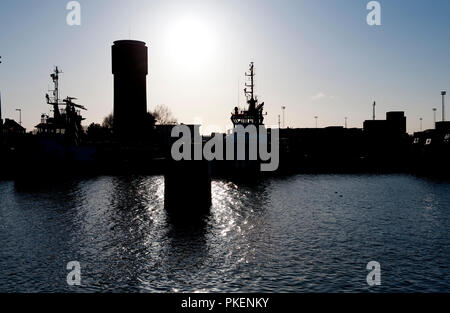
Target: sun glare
point(190, 42)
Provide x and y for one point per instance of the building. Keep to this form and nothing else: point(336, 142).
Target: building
point(386, 142)
point(443, 127)
point(394, 124)
point(130, 69)
point(11, 127)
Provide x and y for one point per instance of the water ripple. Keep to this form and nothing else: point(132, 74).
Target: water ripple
point(307, 233)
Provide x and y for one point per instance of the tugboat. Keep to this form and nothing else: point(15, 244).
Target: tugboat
point(65, 123)
point(57, 146)
point(254, 114)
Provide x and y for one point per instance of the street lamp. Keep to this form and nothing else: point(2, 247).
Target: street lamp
point(443, 93)
point(1, 121)
point(316, 117)
point(283, 108)
point(420, 123)
point(345, 122)
point(434, 116)
point(20, 116)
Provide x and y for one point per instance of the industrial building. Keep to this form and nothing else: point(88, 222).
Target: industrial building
point(431, 150)
point(394, 124)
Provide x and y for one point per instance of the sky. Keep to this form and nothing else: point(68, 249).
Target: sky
point(315, 57)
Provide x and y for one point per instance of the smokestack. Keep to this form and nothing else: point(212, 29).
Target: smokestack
point(130, 69)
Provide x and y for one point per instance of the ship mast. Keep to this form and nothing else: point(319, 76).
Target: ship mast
point(250, 93)
point(254, 113)
point(66, 122)
point(252, 82)
point(55, 99)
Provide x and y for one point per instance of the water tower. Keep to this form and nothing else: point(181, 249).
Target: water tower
point(130, 69)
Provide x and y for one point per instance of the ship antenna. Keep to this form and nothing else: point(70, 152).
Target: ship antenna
point(238, 93)
point(55, 103)
point(251, 74)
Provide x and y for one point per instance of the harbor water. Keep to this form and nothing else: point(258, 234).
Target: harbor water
point(304, 233)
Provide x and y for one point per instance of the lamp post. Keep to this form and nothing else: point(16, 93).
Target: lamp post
point(1, 121)
point(373, 110)
point(20, 116)
point(283, 108)
point(443, 93)
point(420, 123)
point(434, 116)
point(345, 122)
point(316, 117)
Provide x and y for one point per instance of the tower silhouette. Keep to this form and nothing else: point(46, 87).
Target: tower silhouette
point(130, 69)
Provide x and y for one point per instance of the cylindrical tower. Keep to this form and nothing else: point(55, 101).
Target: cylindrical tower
point(130, 69)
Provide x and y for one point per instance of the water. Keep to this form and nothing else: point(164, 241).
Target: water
point(306, 233)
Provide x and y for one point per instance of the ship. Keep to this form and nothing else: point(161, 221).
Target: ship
point(58, 146)
point(66, 122)
point(253, 115)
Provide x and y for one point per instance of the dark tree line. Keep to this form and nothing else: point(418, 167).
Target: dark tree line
point(161, 115)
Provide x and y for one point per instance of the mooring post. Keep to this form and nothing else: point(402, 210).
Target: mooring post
point(187, 185)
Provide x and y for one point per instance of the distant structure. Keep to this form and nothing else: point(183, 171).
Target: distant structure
point(395, 123)
point(64, 122)
point(11, 127)
point(373, 114)
point(443, 93)
point(443, 126)
point(254, 114)
point(1, 120)
point(130, 69)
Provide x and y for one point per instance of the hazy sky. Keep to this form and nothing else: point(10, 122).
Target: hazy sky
point(316, 57)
